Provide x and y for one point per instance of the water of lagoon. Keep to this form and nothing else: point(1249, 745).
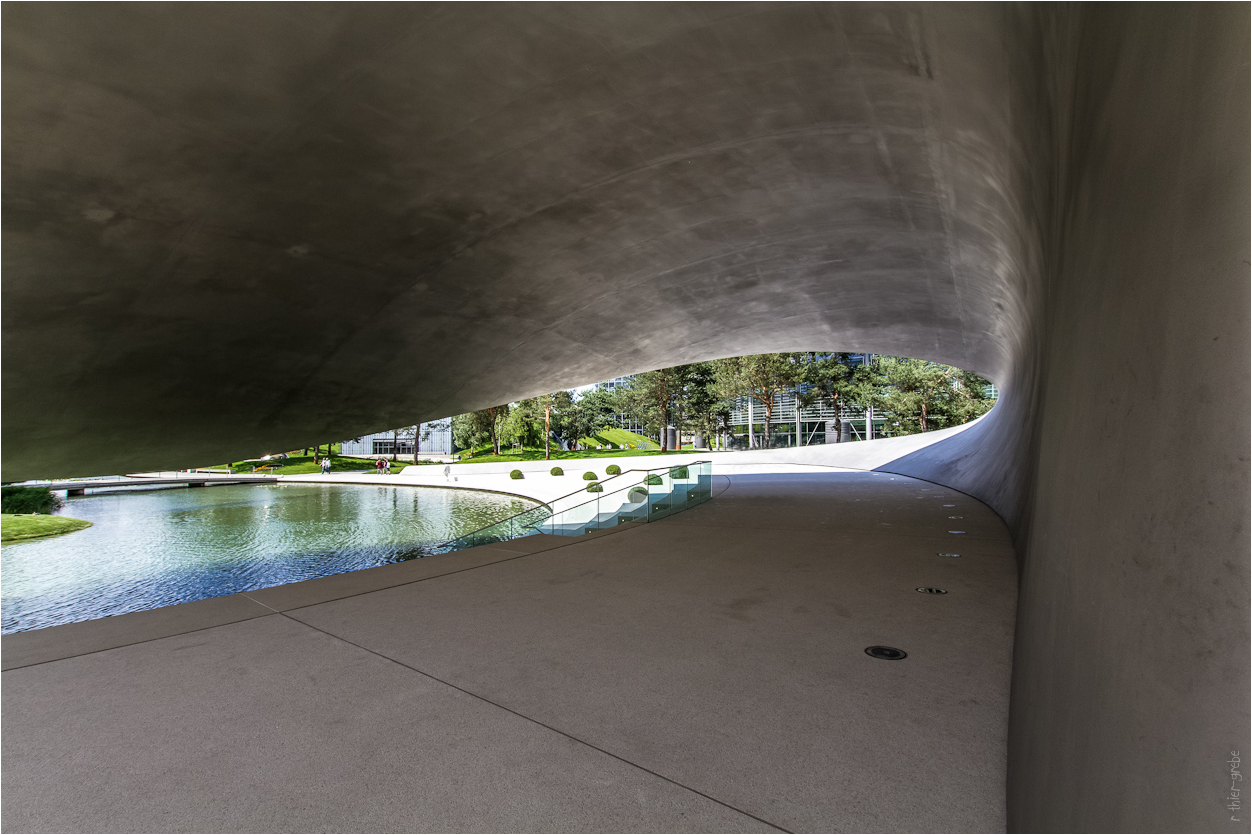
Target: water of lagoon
point(153, 548)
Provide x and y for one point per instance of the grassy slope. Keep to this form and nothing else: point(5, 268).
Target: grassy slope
point(16, 528)
point(620, 437)
point(299, 464)
point(557, 455)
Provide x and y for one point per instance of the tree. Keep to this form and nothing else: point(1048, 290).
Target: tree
point(547, 427)
point(474, 428)
point(562, 416)
point(761, 377)
point(647, 398)
point(696, 403)
point(404, 433)
point(921, 396)
point(830, 380)
point(592, 412)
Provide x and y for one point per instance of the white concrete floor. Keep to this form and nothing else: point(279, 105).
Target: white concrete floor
point(701, 673)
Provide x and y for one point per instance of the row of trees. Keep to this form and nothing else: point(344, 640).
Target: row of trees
point(533, 422)
point(914, 396)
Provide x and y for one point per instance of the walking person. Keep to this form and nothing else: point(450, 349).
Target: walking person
point(378, 466)
point(326, 465)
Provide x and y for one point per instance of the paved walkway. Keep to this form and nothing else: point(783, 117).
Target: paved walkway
point(701, 673)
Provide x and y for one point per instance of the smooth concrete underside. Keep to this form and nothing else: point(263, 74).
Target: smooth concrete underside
point(702, 673)
point(233, 230)
point(237, 228)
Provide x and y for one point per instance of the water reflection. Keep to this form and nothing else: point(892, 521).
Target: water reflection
point(160, 547)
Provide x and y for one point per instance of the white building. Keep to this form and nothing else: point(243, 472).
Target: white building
point(435, 439)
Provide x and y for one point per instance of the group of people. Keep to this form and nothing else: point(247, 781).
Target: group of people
point(381, 466)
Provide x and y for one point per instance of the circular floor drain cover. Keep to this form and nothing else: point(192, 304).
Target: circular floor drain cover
point(949, 555)
point(930, 590)
point(886, 653)
point(956, 531)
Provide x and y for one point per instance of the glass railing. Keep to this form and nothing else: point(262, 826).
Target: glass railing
point(633, 496)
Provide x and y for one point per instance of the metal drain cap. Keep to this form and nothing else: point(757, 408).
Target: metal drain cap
point(931, 590)
point(886, 653)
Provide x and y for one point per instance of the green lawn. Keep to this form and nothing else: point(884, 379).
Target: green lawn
point(300, 464)
point(16, 528)
point(619, 437)
point(529, 454)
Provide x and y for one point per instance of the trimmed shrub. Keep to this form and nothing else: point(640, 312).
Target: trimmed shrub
point(516, 474)
point(557, 471)
point(14, 499)
point(678, 472)
point(637, 495)
point(613, 469)
point(595, 487)
point(590, 477)
point(654, 480)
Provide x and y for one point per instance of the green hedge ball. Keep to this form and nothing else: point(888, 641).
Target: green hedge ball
point(613, 469)
point(590, 477)
point(557, 471)
point(516, 474)
point(595, 488)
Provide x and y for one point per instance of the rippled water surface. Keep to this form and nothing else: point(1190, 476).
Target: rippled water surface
point(157, 547)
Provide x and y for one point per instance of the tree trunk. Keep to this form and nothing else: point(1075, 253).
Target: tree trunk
point(395, 443)
point(547, 430)
point(417, 441)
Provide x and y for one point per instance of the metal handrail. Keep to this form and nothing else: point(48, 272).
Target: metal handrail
point(582, 489)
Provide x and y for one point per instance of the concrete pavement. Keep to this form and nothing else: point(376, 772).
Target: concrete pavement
point(701, 673)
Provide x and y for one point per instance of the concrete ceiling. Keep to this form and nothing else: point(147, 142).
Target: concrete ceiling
point(230, 229)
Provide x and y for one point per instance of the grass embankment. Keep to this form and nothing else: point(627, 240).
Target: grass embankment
point(635, 445)
point(627, 443)
point(619, 438)
point(300, 464)
point(529, 454)
point(14, 528)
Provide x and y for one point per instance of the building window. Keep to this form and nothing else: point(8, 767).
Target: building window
point(387, 448)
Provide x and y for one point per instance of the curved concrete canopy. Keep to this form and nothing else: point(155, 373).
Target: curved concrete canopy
point(236, 231)
point(252, 226)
